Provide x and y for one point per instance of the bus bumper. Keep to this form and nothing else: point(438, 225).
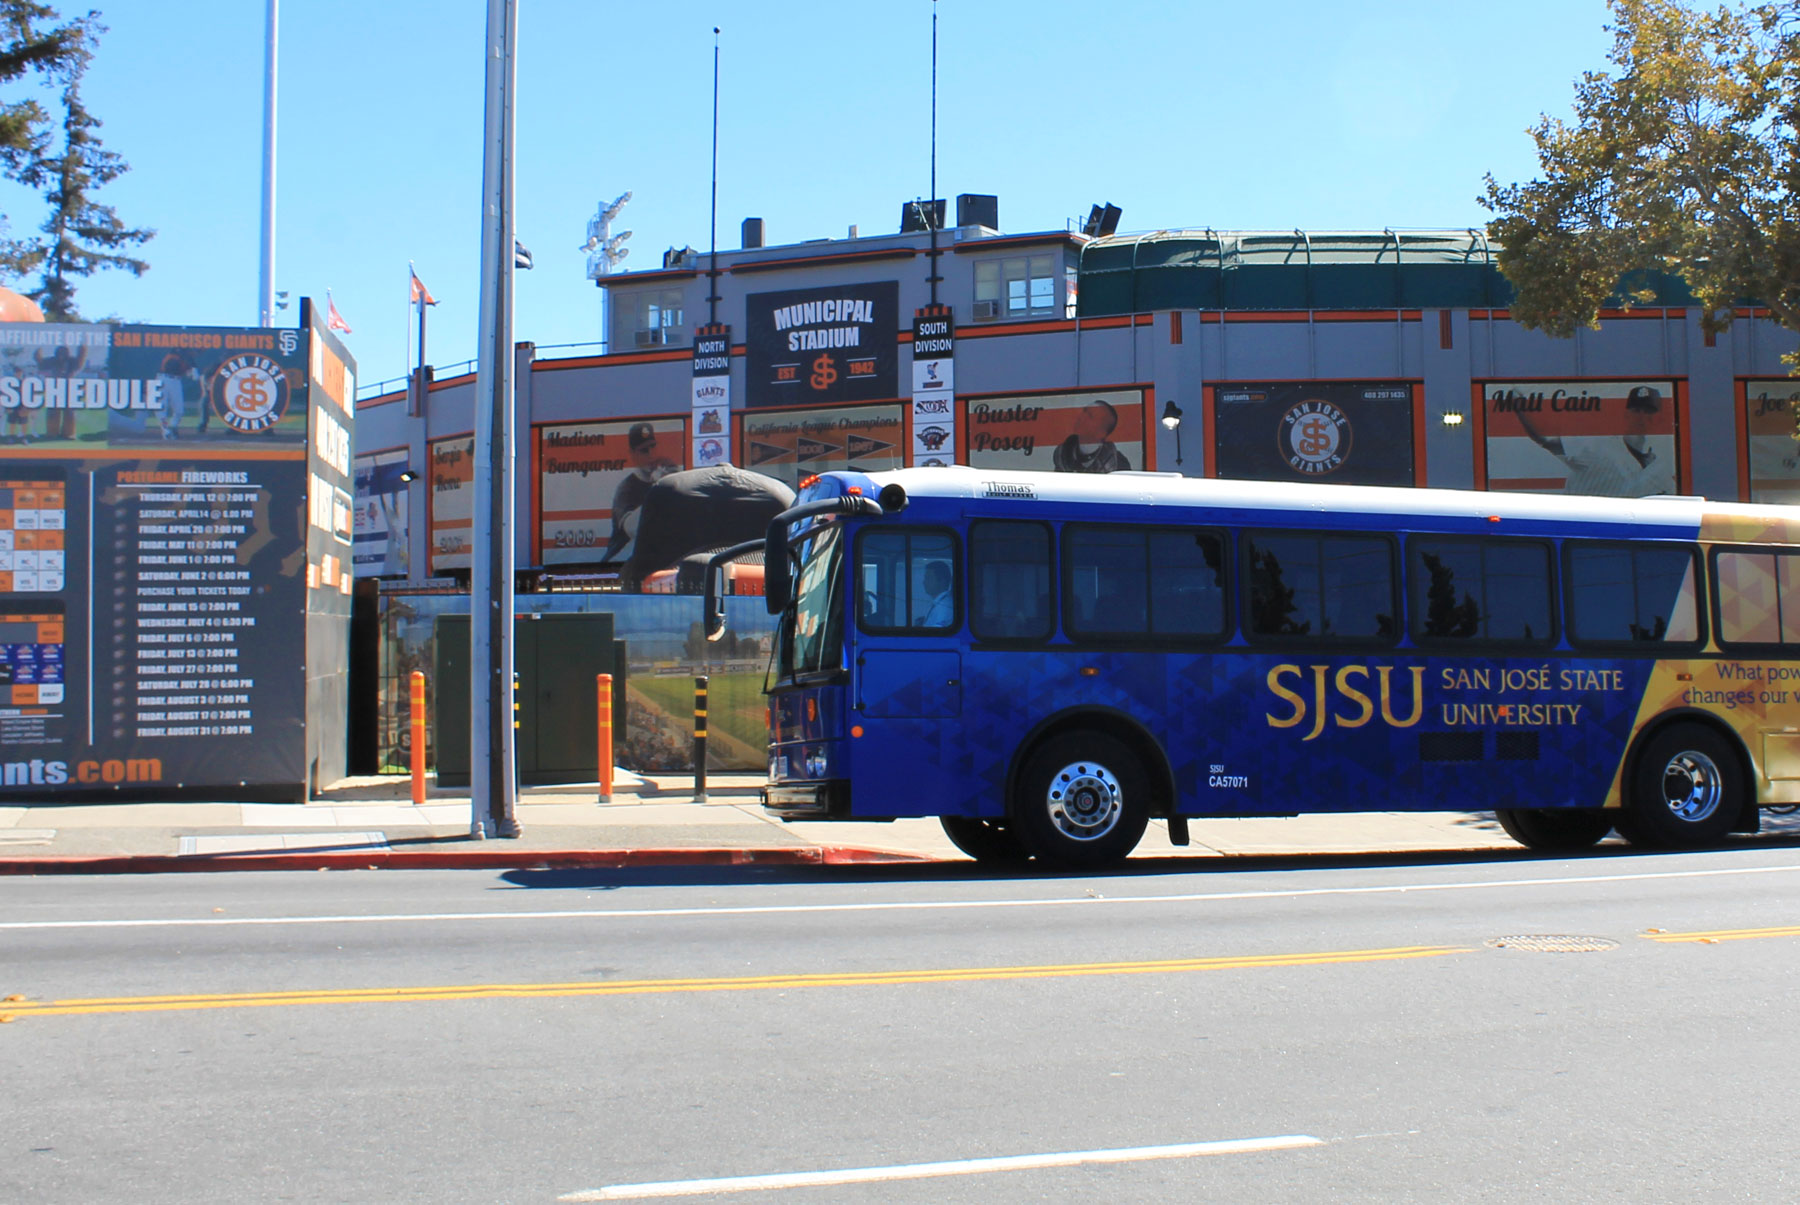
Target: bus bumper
point(825, 799)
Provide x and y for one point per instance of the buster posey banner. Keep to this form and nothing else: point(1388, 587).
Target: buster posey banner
point(712, 396)
point(835, 344)
point(1351, 432)
point(1613, 438)
point(934, 386)
point(1081, 431)
point(1770, 409)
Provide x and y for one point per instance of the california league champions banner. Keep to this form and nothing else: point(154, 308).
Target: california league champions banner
point(835, 344)
point(1346, 432)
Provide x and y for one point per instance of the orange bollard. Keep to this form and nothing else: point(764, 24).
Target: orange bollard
point(418, 739)
point(603, 696)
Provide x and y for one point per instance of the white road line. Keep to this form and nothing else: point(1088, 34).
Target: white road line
point(386, 918)
point(922, 1171)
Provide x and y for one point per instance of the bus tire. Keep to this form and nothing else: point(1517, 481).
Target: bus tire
point(1082, 801)
point(990, 842)
point(1555, 830)
point(1687, 788)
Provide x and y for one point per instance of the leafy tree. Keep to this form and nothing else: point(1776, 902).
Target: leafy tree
point(1683, 159)
point(81, 236)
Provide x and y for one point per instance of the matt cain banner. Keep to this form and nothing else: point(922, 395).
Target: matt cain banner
point(1345, 432)
point(835, 344)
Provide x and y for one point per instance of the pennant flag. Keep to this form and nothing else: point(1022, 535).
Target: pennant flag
point(862, 445)
point(420, 294)
point(334, 321)
point(762, 453)
point(521, 257)
point(815, 449)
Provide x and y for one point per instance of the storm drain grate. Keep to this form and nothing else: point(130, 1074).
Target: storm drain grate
point(1551, 943)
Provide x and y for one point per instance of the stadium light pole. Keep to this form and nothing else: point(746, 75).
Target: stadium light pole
point(265, 292)
point(493, 784)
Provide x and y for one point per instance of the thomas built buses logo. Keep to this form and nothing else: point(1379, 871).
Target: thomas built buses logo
point(1314, 437)
point(250, 393)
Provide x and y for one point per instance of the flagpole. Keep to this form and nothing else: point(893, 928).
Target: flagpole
point(265, 292)
point(491, 751)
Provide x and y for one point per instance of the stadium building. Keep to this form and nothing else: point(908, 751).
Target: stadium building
point(1369, 357)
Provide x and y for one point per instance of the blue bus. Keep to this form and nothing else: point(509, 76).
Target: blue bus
point(1048, 661)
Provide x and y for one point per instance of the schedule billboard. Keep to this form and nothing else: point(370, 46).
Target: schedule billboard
point(158, 528)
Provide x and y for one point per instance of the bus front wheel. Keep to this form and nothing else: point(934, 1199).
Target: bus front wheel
point(1083, 800)
point(1687, 788)
point(990, 842)
point(1555, 830)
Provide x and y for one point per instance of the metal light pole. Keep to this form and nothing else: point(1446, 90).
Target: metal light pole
point(265, 292)
point(492, 780)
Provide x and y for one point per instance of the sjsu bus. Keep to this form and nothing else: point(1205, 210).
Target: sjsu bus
point(1048, 661)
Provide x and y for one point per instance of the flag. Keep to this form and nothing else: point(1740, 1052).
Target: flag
point(334, 321)
point(521, 257)
point(420, 294)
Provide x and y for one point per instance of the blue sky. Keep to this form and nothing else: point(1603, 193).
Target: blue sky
point(1305, 113)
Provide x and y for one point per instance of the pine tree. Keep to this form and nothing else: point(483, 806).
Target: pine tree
point(82, 236)
point(29, 41)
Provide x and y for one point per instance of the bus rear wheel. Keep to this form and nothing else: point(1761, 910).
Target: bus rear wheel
point(1555, 830)
point(1687, 788)
point(990, 842)
point(1082, 801)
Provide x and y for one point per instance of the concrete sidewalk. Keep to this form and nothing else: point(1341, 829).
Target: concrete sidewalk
point(651, 820)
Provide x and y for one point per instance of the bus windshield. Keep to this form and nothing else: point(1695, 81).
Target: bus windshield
point(815, 625)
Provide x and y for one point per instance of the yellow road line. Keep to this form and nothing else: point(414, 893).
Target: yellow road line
point(1709, 936)
point(750, 983)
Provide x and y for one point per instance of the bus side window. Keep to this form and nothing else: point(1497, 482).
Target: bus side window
point(1632, 594)
point(1187, 583)
point(1009, 581)
point(1320, 586)
point(1753, 606)
point(1495, 590)
point(907, 579)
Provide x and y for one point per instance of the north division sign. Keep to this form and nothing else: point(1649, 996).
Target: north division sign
point(835, 344)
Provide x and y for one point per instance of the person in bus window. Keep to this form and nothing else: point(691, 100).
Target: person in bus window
point(1091, 449)
point(937, 608)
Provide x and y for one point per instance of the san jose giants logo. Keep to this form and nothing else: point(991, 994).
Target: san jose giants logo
point(1314, 438)
point(250, 392)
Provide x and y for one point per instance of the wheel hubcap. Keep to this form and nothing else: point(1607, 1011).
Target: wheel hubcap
point(1084, 800)
point(1692, 787)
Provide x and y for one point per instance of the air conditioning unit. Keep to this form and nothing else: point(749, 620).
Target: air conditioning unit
point(656, 336)
point(986, 310)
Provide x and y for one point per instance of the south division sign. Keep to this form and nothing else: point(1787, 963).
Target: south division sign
point(836, 344)
point(1344, 432)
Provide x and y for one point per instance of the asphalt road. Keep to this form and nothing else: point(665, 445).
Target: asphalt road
point(1320, 1030)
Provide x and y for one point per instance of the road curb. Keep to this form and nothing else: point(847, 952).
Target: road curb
point(482, 859)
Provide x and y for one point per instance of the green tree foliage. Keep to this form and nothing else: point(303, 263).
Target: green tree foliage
point(30, 41)
point(1684, 158)
point(81, 236)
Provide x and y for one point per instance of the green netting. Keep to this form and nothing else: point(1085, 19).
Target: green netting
point(1297, 270)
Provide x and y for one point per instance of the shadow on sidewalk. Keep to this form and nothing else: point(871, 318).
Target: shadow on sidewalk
point(601, 879)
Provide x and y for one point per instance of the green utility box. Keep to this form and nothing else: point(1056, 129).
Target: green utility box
point(557, 658)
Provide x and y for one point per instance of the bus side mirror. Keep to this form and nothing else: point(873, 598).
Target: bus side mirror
point(713, 612)
point(778, 570)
